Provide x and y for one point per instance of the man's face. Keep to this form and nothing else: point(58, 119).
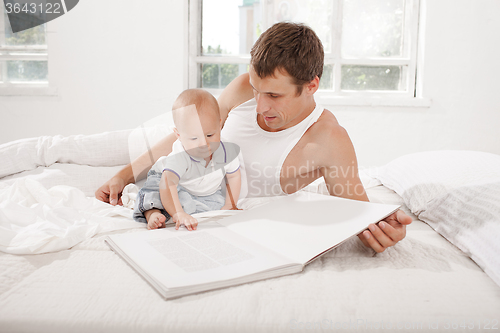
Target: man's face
point(278, 105)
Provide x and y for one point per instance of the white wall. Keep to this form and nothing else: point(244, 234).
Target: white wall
point(118, 65)
point(115, 64)
point(461, 77)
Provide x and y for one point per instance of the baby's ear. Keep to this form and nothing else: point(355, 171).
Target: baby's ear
point(176, 132)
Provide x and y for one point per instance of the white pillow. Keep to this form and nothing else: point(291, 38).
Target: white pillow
point(458, 194)
point(104, 149)
point(421, 177)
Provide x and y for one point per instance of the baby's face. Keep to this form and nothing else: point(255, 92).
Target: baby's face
point(199, 134)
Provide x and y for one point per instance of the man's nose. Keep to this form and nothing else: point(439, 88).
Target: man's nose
point(262, 103)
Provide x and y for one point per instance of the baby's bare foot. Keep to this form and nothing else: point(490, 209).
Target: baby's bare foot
point(156, 220)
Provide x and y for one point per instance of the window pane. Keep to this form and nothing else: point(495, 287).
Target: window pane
point(25, 71)
point(242, 22)
point(372, 78)
point(33, 36)
point(315, 13)
point(326, 81)
point(373, 28)
point(230, 26)
point(218, 76)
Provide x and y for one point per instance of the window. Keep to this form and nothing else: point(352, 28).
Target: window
point(23, 59)
point(370, 45)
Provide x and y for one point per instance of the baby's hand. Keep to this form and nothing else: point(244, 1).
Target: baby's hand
point(182, 218)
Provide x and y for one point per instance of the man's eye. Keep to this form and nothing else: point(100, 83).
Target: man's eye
point(210, 135)
point(274, 96)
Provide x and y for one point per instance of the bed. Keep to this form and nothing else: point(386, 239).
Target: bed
point(58, 275)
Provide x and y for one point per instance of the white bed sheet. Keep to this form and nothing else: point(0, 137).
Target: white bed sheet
point(423, 283)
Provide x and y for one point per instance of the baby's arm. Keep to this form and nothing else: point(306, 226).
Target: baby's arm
point(170, 201)
point(233, 190)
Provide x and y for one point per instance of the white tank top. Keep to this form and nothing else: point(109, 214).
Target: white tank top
point(262, 153)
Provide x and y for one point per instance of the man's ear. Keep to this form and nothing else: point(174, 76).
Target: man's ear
point(312, 86)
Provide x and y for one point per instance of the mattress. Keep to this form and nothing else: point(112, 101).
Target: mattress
point(423, 283)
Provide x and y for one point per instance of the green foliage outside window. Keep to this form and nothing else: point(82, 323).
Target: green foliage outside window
point(371, 77)
point(33, 36)
point(25, 70)
point(32, 71)
point(217, 75)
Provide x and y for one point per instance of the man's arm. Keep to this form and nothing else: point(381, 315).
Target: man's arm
point(237, 92)
point(110, 191)
point(340, 172)
point(340, 166)
point(233, 190)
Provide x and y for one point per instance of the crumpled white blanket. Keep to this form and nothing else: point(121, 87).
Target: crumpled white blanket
point(36, 220)
point(129, 194)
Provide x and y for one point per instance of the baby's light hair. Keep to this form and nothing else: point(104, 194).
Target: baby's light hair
point(203, 101)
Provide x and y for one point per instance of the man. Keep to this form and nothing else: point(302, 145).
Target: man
point(287, 141)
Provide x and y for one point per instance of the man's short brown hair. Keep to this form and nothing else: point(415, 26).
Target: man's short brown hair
point(293, 47)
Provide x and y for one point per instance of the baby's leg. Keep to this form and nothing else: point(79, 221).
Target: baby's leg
point(155, 219)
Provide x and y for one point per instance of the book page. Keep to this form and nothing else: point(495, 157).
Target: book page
point(177, 258)
point(199, 251)
point(303, 225)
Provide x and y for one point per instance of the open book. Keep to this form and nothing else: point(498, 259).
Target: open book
point(275, 239)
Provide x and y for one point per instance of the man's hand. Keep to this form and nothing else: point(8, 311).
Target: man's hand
point(183, 218)
point(387, 233)
point(111, 191)
point(229, 207)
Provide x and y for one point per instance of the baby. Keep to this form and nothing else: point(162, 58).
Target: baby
point(188, 180)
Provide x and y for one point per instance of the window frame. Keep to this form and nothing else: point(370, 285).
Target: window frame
point(21, 52)
point(411, 96)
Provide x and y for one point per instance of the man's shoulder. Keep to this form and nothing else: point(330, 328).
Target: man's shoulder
point(237, 92)
point(245, 106)
point(326, 141)
point(326, 128)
